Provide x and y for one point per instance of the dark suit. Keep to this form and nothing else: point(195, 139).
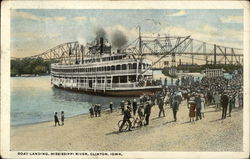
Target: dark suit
point(224, 103)
point(161, 104)
point(147, 112)
point(126, 117)
point(175, 108)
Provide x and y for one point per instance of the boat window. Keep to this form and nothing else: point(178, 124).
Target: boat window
point(116, 57)
point(130, 66)
point(115, 79)
point(118, 67)
point(132, 78)
point(112, 67)
point(124, 67)
point(123, 79)
point(134, 65)
point(108, 68)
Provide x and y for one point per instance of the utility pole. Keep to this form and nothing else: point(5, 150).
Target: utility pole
point(215, 54)
point(225, 55)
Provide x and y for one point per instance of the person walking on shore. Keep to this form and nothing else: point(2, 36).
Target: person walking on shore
point(99, 109)
point(231, 105)
point(217, 99)
point(134, 106)
point(111, 107)
point(96, 110)
point(122, 104)
point(197, 101)
point(62, 117)
point(224, 103)
point(126, 117)
point(191, 106)
point(147, 112)
point(203, 105)
point(175, 107)
point(91, 111)
point(161, 107)
point(56, 119)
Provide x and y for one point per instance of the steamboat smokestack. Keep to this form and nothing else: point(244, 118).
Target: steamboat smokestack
point(101, 45)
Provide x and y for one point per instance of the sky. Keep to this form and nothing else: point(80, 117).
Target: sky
point(33, 31)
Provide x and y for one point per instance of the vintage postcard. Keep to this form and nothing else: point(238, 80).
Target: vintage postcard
point(125, 79)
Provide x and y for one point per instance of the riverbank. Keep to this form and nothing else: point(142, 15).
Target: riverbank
point(162, 134)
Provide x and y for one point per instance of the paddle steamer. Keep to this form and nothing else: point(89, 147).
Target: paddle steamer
point(106, 73)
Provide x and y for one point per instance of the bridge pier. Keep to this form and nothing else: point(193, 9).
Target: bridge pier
point(215, 54)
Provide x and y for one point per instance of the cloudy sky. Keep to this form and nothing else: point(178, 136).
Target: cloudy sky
point(36, 30)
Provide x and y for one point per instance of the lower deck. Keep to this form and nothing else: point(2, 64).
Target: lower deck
point(106, 86)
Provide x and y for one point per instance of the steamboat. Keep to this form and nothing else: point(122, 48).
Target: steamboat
point(106, 73)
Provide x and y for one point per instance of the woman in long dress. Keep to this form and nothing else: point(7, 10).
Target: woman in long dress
point(217, 100)
point(192, 106)
point(202, 105)
point(237, 104)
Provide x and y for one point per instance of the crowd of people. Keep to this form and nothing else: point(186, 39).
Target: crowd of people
point(221, 92)
point(95, 110)
point(225, 93)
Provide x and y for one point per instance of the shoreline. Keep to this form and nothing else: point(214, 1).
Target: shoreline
point(40, 122)
point(162, 134)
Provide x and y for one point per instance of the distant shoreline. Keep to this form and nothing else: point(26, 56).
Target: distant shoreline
point(31, 75)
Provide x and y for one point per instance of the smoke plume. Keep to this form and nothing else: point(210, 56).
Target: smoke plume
point(119, 39)
point(100, 32)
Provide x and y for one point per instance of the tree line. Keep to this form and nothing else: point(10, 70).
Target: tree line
point(32, 66)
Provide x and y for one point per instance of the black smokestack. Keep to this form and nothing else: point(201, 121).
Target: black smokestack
point(101, 45)
point(119, 39)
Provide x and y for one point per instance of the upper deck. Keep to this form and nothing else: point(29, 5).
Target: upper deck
point(104, 61)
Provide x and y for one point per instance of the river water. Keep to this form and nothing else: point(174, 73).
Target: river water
point(34, 100)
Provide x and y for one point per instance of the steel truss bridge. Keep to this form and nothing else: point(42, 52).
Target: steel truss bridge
point(167, 47)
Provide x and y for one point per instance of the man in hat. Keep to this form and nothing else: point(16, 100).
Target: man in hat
point(91, 111)
point(161, 105)
point(99, 109)
point(175, 107)
point(111, 107)
point(231, 104)
point(224, 103)
point(62, 117)
point(134, 106)
point(56, 119)
point(147, 112)
point(122, 104)
point(197, 101)
point(126, 117)
point(96, 110)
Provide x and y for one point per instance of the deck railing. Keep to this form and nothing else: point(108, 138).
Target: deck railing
point(111, 72)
